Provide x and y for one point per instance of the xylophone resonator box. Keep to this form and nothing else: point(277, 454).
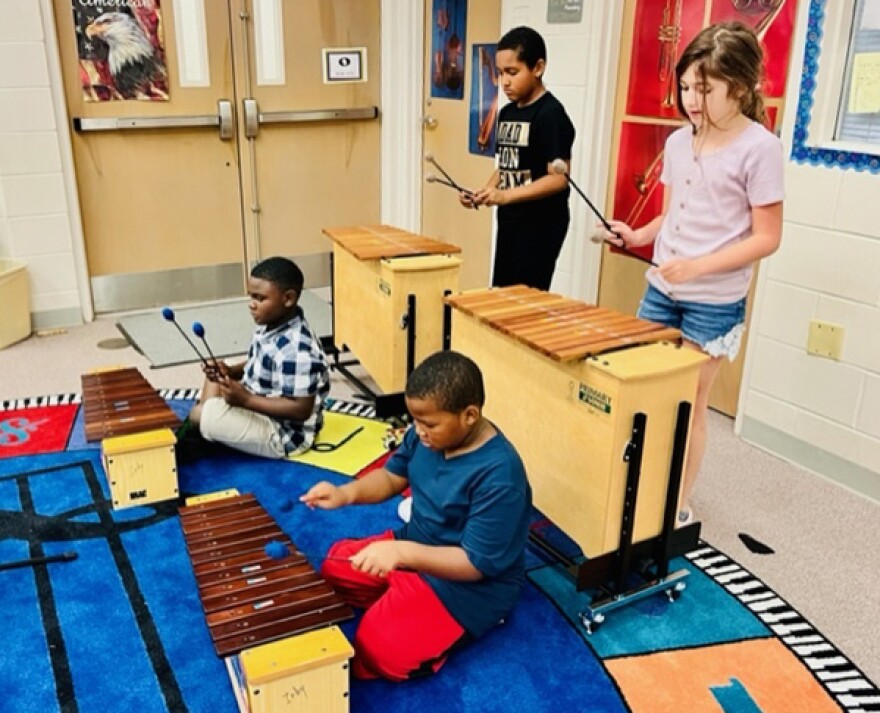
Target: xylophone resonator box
point(307, 673)
point(375, 270)
point(141, 467)
point(567, 404)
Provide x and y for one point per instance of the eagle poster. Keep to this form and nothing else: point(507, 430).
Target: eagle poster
point(121, 50)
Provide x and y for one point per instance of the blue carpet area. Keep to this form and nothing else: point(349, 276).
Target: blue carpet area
point(127, 630)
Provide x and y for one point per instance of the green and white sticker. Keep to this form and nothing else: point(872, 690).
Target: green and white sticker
point(594, 398)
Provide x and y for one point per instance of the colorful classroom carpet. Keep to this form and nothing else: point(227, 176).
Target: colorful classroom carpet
point(348, 443)
point(121, 627)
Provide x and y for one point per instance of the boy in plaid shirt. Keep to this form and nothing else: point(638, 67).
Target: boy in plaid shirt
point(271, 405)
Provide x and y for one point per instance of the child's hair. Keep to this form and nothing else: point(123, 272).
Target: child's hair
point(451, 379)
point(281, 272)
point(731, 53)
point(528, 45)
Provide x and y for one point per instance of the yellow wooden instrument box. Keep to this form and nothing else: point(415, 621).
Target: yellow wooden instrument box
point(370, 304)
point(571, 422)
point(141, 468)
point(307, 673)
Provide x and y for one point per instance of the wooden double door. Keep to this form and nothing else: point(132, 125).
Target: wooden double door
point(252, 152)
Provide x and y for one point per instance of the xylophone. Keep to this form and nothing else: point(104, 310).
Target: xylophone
point(388, 289)
point(564, 382)
point(564, 329)
point(121, 401)
point(248, 597)
point(134, 424)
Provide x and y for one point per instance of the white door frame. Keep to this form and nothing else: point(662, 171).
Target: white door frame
point(402, 31)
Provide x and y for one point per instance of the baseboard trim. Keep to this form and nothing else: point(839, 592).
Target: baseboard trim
point(838, 470)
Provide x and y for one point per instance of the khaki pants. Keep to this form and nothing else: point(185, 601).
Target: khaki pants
point(241, 429)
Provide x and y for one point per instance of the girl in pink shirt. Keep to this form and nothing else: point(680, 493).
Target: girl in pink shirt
point(722, 210)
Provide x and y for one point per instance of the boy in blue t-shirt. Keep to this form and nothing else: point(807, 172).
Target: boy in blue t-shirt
point(456, 568)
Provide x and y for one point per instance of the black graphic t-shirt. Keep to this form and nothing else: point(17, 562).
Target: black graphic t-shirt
point(529, 138)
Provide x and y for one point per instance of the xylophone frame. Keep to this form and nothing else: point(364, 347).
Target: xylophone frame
point(609, 572)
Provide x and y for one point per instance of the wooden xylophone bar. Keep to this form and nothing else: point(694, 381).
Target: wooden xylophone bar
point(248, 597)
point(561, 328)
point(122, 402)
point(374, 242)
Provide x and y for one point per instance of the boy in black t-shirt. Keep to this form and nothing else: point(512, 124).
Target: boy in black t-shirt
point(533, 131)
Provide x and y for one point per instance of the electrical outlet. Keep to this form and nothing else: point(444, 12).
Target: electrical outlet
point(825, 339)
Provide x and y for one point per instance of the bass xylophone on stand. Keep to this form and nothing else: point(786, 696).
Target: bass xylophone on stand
point(388, 290)
point(271, 618)
point(134, 424)
point(598, 405)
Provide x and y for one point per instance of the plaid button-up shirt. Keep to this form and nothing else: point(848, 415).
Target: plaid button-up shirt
point(288, 361)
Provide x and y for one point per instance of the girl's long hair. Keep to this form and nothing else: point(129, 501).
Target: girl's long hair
point(729, 52)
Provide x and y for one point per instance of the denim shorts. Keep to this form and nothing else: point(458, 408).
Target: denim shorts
point(717, 329)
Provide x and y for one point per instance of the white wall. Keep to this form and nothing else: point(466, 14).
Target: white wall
point(821, 413)
point(35, 223)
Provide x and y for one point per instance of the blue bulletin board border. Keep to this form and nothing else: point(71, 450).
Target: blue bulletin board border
point(801, 152)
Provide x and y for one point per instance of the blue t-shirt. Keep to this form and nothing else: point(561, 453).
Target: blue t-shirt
point(479, 501)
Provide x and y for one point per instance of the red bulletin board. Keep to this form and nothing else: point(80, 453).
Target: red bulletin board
point(663, 28)
point(647, 89)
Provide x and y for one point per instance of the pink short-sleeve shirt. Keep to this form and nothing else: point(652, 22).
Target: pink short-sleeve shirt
point(710, 207)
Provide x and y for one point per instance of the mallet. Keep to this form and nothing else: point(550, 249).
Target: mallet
point(199, 331)
point(429, 157)
point(33, 561)
point(277, 550)
point(168, 314)
point(431, 178)
point(559, 167)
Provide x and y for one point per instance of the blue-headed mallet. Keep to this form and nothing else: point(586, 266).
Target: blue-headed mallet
point(199, 331)
point(168, 314)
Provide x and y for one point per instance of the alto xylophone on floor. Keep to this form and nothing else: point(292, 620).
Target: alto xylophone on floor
point(248, 597)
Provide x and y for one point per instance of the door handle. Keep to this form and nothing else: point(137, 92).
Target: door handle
point(287, 117)
point(223, 119)
point(251, 118)
point(227, 122)
point(430, 122)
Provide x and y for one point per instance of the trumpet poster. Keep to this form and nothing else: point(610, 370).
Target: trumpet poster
point(662, 30)
point(484, 101)
point(121, 50)
point(448, 42)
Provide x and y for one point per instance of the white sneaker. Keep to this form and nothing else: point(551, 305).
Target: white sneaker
point(404, 510)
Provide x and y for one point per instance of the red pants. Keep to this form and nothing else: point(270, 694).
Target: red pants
point(405, 629)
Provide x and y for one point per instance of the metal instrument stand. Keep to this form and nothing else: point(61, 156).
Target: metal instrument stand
point(609, 572)
point(386, 405)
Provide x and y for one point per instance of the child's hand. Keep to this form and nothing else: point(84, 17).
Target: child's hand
point(233, 392)
point(326, 496)
point(378, 558)
point(621, 234)
point(490, 195)
point(466, 198)
point(215, 371)
point(680, 270)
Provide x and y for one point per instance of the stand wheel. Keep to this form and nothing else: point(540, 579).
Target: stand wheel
point(591, 623)
point(675, 592)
